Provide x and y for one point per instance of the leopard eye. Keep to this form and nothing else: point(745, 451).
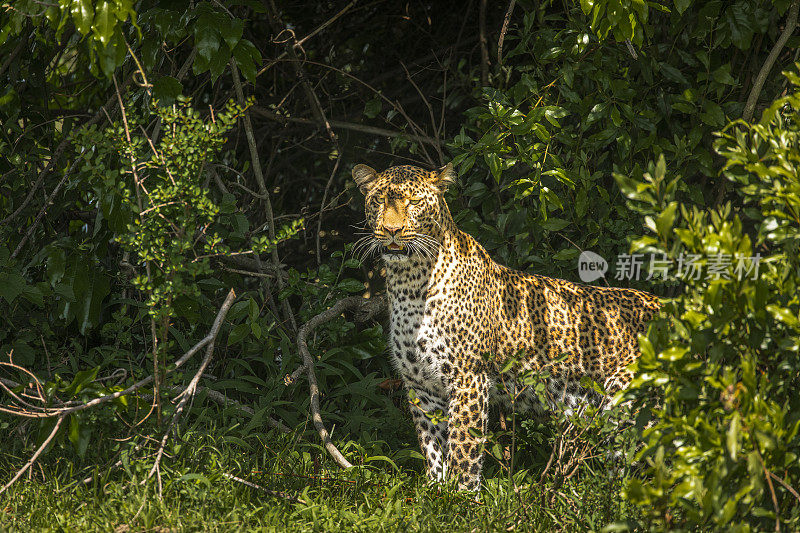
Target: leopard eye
point(414, 201)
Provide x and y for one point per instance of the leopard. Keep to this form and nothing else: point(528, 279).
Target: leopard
point(451, 305)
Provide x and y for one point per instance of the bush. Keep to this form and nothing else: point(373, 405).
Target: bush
point(723, 451)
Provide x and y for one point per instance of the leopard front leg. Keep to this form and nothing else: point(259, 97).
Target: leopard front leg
point(468, 411)
point(429, 413)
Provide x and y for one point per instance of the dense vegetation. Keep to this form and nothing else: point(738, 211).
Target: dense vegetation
point(156, 155)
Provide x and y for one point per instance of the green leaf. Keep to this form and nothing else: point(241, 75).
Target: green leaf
point(207, 37)
point(732, 437)
point(89, 304)
point(105, 21)
point(673, 74)
point(350, 285)
point(682, 5)
point(113, 54)
point(239, 332)
point(665, 220)
point(785, 315)
point(566, 254)
point(166, 89)
point(495, 164)
point(372, 108)
point(555, 224)
point(673, 353)
point(82, 13)
point(11, 285)
point(248, 58)
point(74, 429)
point(219, 61)
point(232, 32)
point(712, 114)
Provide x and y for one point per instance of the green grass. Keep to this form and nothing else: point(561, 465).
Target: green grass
point(385, 492)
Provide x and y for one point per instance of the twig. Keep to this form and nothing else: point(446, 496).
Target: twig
point(274, 493)
point(366, 308)
point(249, 273)
point(54, 160)
point(758, 84)
point(484, 44)
point(49, 412)
point(785, 485)
point(192, 387)
point(251, 192)
point(309, 36)
point(313, 101)
point(35, 455)
point(138, 183)
point(322, 205)
point(503, 31)
point(771, 491)
point(20, 45)
point(42, 211)
point(394, 103)
point(421, 94)
point(362, 128)
point(219, 398)
point(262, 188)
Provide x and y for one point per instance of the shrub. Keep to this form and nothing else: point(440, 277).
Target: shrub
point(723, 451)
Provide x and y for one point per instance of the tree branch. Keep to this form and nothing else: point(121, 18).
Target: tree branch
point(50, 412)
point(484, 43)
point(365, 308)
point(35, 455)
point(262, 188)
point(361, 128)
point(503, 31)
point(758, 84)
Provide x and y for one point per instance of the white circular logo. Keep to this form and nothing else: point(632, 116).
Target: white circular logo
point(591, 266)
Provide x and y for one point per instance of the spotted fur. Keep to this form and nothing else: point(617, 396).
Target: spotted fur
point(450, 304)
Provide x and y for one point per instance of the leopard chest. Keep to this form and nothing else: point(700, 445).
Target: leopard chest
point(416, 344)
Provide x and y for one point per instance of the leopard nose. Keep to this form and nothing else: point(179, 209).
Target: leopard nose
point(392, 229)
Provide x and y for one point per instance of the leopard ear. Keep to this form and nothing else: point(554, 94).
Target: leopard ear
point(444, 177)
point(365, 177)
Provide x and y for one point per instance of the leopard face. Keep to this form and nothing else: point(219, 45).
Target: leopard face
point(404, 209)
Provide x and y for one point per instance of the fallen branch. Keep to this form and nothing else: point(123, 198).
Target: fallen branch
point(192, 387)
point(365, 309)
point(219, 398)
point(35, 455)
point(50, 412)
point(274, 493)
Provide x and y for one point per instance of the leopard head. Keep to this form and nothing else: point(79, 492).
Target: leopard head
point(405, 208)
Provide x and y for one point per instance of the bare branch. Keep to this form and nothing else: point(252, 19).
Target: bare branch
point(322, 205)
point(758, 84)
point(484, 43)
point(275, 493)
point(364, 307)
point(362, 128)
point(262, 188)
point(503, 31)
point(50, 412)
point(192, 387)
point(35, 455)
